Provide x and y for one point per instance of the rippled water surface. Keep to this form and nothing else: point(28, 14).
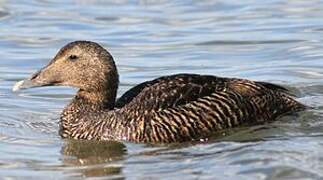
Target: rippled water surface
point(275, 41)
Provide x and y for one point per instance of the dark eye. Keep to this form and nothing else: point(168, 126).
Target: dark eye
point(72, 57)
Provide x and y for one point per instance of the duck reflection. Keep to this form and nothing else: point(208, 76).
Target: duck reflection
point(94, 158)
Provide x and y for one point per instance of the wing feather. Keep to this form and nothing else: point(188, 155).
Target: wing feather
point(179, 89)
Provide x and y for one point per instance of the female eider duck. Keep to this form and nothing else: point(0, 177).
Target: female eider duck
point(175, 108)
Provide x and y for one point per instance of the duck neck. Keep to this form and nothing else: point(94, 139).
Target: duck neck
point(101, 93)
point(99, 99)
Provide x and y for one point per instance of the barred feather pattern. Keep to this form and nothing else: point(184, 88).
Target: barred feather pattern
point(178, 108)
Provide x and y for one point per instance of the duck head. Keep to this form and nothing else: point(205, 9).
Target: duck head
point(82, 64)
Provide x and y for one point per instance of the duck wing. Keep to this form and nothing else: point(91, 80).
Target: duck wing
point(178, 89)
point(185, 107)
point(170, 91)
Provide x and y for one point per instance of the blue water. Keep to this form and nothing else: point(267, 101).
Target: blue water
point(275, 41)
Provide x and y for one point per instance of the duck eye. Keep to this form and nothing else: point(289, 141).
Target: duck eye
point(72, 57)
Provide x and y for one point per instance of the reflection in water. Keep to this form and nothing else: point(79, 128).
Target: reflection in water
point(94, 158)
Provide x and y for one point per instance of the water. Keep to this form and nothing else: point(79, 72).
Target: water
point(275, 41)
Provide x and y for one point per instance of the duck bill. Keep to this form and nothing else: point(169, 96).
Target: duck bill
point(26, 84)
point(36, 80)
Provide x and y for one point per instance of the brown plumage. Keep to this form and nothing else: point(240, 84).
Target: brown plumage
point(173, 108)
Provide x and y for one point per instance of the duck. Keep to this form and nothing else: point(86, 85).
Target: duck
point(169, 109)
